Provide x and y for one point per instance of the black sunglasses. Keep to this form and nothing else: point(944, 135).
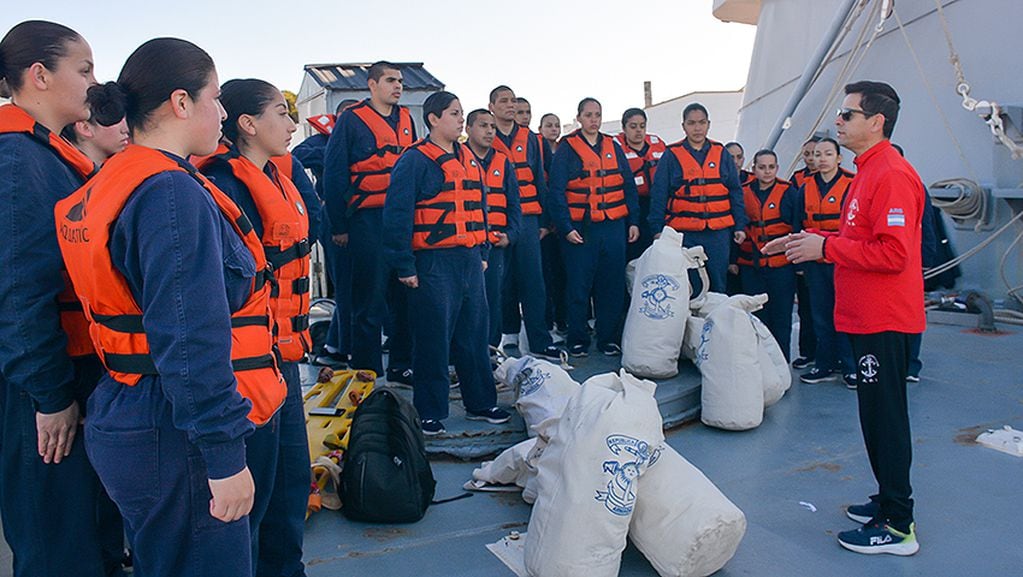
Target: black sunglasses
point(846, 114)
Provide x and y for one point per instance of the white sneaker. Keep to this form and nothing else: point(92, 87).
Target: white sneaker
point(509, 342)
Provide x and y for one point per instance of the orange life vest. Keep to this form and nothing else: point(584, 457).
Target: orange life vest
point(765, 225)
point(371, 177)
point(800, 176)
point(702, 201)
point(825, 213)
point(529, 198)
point(286, 245)
point(643, 162)
point(598, 193)
point(491, 182)
point(454, 217)
point(85, 220)
point(322, 123)
point(72, 320)
point(285, 166)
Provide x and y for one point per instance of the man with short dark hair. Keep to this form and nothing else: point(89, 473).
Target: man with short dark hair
point(362, 150)
point(523, 112)
point(879, 302)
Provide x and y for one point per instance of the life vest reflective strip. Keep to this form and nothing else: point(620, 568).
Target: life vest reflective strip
point(529, 198)
point(287, 247)
point(598, 193)
point(643, 162)
point(765, 225)
point(72, 320)
point(454, 217)
point(371, 176)
point(824, 213)
point(702, 201)
point(85, 220)
point(491, 185)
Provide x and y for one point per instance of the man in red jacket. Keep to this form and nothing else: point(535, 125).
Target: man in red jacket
point(879, 302)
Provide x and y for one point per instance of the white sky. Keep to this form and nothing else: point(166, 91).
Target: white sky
point(564, 50)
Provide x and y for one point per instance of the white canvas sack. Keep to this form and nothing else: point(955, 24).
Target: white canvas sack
point(682, 523)
point(732, 395)
point(511, 467)
point(542, 389)
point(587, 478)
point(773, 366)
point(656, 320)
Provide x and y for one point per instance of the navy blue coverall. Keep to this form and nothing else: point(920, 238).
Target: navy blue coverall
point(157, 444)
point(450, 303)
point(49, 511)
point(597, 265)
point(524, 280)
point(716, 243)
point(278, 452)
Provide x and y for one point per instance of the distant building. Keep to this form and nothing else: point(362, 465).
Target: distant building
point(326, 85)
point(665, 118)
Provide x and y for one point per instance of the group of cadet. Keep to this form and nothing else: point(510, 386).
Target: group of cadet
point(161, 287)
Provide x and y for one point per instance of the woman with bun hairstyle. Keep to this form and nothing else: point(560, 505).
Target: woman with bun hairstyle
point(175, 284)
point(49, 492)
point(257, 130)
point(102, 135)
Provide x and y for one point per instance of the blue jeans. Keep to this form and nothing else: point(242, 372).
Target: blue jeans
point(716, 244)
point(494, 278)
point(451, 323)
point(780, 286)
point(807, 328)
point(915, 365)
point(833, 348)
point(374, 290)
point(159, 481)
point(277, 537)
point(597, 267)
point(57, 519)
point(524, 284)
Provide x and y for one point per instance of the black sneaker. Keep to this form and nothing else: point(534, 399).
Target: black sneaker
point(551, 353)
point(400, 377)
point(878, 537)
point(850, 381)
point(611, 350)
point(385, 347)
point(801, 363)
point(578, 351)
point(336, 361)
point(493, 415)
point(865, 512)
point(433, 427)
point(817, 376)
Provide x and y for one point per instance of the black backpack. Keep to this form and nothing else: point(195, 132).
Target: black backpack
point(386, 476)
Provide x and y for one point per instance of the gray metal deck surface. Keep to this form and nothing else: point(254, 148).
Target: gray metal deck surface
point(808, 449)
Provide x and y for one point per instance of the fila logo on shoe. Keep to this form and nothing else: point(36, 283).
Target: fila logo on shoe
point(881, 540)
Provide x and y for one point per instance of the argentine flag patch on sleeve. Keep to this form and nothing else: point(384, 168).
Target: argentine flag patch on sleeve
point(896, 217)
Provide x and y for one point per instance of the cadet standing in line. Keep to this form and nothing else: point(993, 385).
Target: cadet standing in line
point(697, 192)
point(503, 214)
point(643, 151)
point(176, 286)
point(523, 268)
point(550, 244)
point(259, 129)
point(49, 492)
point(594, 206)
point(773, 209)
point(361, 152)
point(804, 305)
point(435, 237)
point(823, 197)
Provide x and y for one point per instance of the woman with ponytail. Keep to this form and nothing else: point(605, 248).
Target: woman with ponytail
point(49, 493)
point(257, 133)
point(176, 287)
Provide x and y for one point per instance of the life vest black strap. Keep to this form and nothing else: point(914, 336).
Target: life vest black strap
point(299, 323)
point(702, 181)
point(300, 285)
point(131, 324)
point(278, 258)
point(700, 215)
point(820, 217)
point(253, 321)
point(253, 363)
point(139, 364)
